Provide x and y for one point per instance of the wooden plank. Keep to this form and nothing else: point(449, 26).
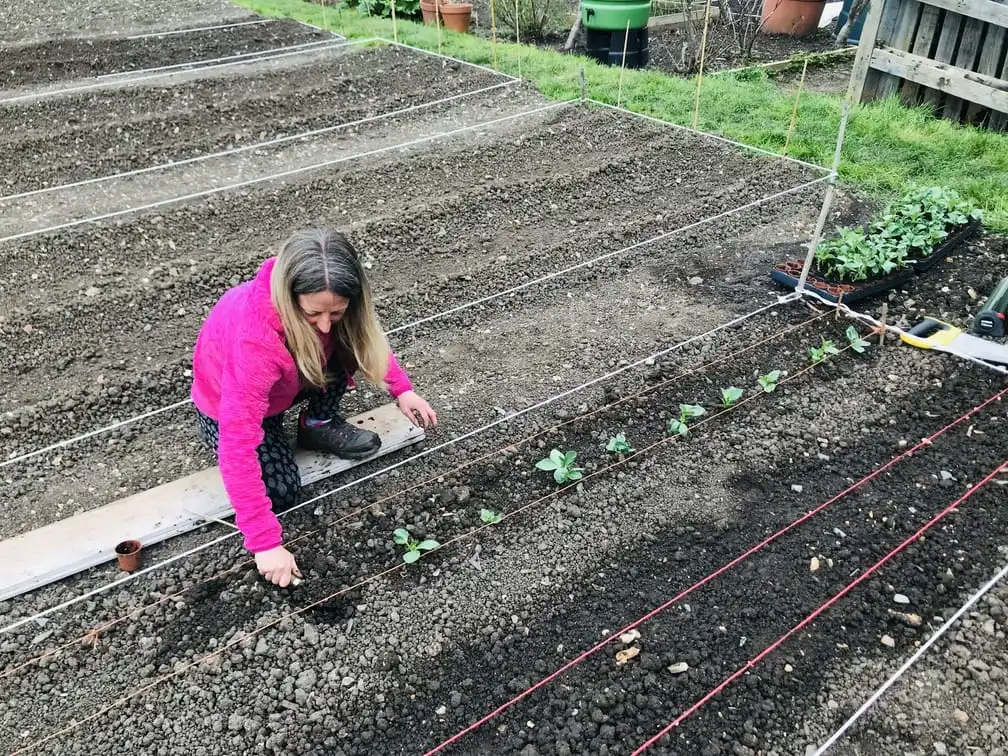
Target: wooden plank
point(924, 41)
point(988, 11)
point(77, 543)
point(869, 32)
point(679, 20)
point(966, 58)
point(990, 57)
point(900, 39)
point(969, 85)
point(999, 121)
point(947, 39)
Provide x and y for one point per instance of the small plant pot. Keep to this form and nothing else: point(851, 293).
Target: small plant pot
point(128, 554)
point(795, 18)
point(456, 16)
point(429, 11)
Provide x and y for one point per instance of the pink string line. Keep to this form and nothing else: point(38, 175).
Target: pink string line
point(849, 587)
point(720, 571)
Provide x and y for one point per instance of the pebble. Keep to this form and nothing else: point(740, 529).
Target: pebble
point(960, 716)
point(940, 749)
point(899, 598)
point(678, 668)
point(888, 641)
point(629, 637)
point(797, 488)
point(695, 281)
point(814, 564)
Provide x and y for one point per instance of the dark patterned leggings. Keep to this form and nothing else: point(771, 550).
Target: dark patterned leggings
point(276, 455)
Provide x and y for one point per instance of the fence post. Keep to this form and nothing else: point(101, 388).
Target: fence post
point(866, 46)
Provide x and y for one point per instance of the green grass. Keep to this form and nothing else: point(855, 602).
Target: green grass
point(887, 146)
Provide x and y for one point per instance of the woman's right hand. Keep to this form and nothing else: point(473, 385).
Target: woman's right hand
point(277, 565)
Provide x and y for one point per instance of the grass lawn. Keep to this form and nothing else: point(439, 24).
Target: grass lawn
point(887, 146)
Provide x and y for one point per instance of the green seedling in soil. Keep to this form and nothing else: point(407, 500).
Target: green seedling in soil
point(414, 547)
point(618, 445)
point(856, 342)
point(562, 466)
point(730, 395)
point(769, 381)
point(489, 516)
point(679, 426)
point(819, 353)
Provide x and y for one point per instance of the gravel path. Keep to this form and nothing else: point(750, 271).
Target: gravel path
point(370, 657)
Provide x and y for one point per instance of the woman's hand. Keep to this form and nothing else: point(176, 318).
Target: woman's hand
point(277, 565)
point(416, 408)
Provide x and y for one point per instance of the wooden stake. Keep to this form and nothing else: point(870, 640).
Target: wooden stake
point(794, 110)
point(703, 57)
point(493, 34)
point(395, 26)
point(626, 39)
point(437, 20)
point(518, 39)
point(882, 330)
point(325, 17)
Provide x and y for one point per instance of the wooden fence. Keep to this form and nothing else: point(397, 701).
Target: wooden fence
point(946, 54)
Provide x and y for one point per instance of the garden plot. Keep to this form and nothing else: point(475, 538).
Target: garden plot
point(473, 232)
point(200, 112)
point(64, 62)
point(378, 658)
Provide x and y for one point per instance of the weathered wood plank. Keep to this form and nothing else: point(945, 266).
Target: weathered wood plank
point(969, 85)
point(988, 11)
point(924, 41)
point(679, 20)
point(990, 58)
point(77, 543)
point(966, 58)
point(999, 121)
point(892, 12)
point(948, 37)
point(901, 39)
point(869, 33)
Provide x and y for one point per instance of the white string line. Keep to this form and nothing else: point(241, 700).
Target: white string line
point(419, 455)
point(461, 307)
point(448, 57)
point(709, 135)
point(202, 28)
point(854, 315)
point(261, 56)
point(873, 699)
point(289, 172)
point(257, 145)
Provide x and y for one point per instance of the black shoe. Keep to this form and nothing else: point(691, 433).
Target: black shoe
point(340, 438)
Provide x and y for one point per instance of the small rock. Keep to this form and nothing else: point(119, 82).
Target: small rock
point(92, 291)
point(960, 716)
point(797, 488)
point(695, 281)
point(236, 722)
point(678, 668)
point(899, 598)
point(814, 564)
point(441, 710)
point(788, 668)
point(888, 641)
point(629, 637)
point(940, 749)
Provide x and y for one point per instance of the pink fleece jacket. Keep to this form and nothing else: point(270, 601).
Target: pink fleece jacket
point(242, 374)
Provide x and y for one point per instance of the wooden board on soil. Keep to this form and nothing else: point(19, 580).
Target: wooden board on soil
point(66, 547)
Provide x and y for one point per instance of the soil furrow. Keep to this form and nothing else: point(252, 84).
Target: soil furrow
point(68, 59)
point(110, 133)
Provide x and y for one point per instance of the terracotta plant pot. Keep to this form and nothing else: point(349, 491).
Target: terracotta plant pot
point(454, 16)
point(128, 554)
point(795, 18)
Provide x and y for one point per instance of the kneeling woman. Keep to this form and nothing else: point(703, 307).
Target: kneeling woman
point(295, 334)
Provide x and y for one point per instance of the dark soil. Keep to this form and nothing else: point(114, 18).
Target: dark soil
point(97, 323)
point(69, 59)
point(106, 132)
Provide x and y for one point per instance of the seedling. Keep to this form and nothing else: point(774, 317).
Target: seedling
point(489, 516)
point(769, 381)
point(730, 395)
point(618, 445)
point(856, 342)
point(414, 547)
point(819, 353)
point(678, 426)
point(562, 466)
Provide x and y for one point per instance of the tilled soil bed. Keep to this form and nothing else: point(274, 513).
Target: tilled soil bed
point(68, 59)
point(370, 656)
point(122, 128)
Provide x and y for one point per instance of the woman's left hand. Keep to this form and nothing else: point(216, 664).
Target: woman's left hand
point(416, 408)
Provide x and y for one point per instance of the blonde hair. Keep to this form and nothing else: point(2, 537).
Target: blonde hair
point(324, 260)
